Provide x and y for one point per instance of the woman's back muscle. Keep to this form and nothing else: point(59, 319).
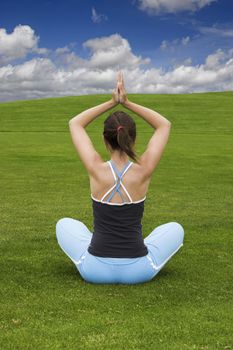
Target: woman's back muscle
point(133, 180)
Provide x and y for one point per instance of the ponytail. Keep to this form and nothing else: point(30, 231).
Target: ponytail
point(120, 133)
point(125, 143)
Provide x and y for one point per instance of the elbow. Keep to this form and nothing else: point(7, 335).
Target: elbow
point(71, 123)
point(168, 124)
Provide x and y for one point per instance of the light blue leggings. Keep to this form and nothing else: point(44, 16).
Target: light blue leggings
point(163, 242)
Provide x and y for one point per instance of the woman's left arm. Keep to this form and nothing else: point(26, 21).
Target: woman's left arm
point(82, 142)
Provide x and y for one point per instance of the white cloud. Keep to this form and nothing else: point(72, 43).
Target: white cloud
point(108, 51)
point(164, 45)
point(18, 43)
point(172, 6)
point(61, 50)
point(185, 40)
point(215, 60)
point(65, 73)
point(185, 62)
point(225, 32)
point(97, 18)
point(171, 45)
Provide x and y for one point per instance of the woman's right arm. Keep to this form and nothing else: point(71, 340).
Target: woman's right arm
point(150, 158)
point(156, 145)
point(155, 119)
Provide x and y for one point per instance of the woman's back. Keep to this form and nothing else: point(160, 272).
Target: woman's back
point(133, 186)
point(117, 228)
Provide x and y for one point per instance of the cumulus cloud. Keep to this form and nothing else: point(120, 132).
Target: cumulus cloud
point(225, 32)
point(185, 62)
point(172, 44)
point(65, 73)
point(97, 17)
point(108, 51)
point(216, 59)
point(18, 43)
point(185, 40)
point(174, 6)
point(62, 50)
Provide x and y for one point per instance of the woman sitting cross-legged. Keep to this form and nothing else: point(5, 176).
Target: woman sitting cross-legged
point(115, 252)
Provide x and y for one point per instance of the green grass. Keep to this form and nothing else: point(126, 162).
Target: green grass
point(45, 303)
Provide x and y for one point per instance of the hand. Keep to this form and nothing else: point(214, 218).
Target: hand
point(119, 94)
point(115, 96)
point(115, 93)
point(121, 89)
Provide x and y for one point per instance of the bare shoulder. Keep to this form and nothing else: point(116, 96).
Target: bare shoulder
point(139, 173)
point(134, 179)
point(101, 171)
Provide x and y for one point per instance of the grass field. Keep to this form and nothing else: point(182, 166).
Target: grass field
point(45, 303)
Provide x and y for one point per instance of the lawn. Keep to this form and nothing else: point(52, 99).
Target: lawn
point(45, 303)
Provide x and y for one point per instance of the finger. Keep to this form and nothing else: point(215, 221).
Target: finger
point(119, 89)
point(116, 79)
point(121, 76)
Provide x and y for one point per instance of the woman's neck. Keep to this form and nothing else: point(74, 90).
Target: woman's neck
point(119, 160)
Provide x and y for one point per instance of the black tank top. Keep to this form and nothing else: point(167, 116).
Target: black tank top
point(117, 231)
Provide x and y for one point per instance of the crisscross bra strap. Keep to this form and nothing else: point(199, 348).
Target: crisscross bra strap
point(118, 182)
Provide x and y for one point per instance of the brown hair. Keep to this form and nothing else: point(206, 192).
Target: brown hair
point(120, 133)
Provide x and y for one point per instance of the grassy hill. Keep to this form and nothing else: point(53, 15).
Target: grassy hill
point(45, 303)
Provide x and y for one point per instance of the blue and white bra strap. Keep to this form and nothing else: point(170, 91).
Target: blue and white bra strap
point(115, 178)
point(127, 167)
point(119, 183)
point(113, 185)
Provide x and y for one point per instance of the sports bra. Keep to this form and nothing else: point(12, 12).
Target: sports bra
point(117, 185)
point(117, 226)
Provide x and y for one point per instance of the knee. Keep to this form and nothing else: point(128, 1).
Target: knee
point(67, 224)
point(61, 222)
point(178, 228)
point(61, 225)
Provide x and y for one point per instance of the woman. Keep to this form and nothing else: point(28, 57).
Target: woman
point(116, 251)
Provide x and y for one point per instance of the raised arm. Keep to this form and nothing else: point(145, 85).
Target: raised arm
point(150, 158)
point(81, 140)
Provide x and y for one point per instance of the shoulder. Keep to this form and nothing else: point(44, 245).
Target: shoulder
point(102, 168)
point(139, 173)
point(98, 169)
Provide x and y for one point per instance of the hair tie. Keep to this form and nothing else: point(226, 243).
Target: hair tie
point(120, 127)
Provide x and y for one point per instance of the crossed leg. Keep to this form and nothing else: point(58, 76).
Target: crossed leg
point(163, 242)
point(73, 236)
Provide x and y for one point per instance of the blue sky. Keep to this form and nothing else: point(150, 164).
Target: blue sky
point(153, 39)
